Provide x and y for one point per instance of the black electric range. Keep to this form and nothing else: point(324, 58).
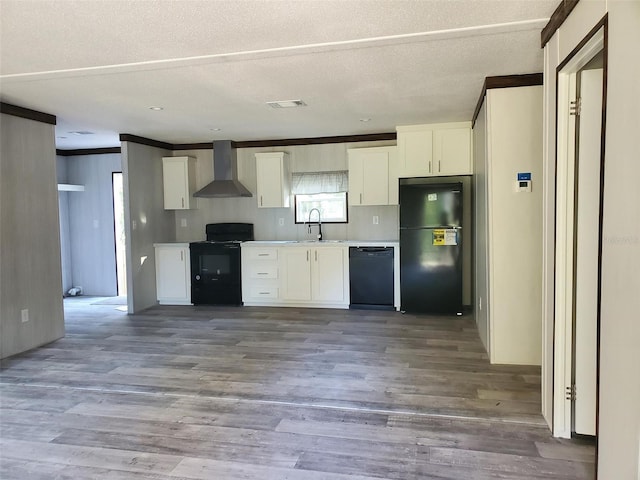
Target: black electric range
point(215, 264)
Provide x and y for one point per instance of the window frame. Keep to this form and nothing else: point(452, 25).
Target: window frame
point(346, 208)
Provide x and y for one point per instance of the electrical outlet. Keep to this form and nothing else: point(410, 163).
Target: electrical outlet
point(281, 222)
point(376, 220)
point(183, 222)
point(24, 315)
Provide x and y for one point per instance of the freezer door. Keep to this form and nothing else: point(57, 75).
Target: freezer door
point(430, 205)
point(430, 275)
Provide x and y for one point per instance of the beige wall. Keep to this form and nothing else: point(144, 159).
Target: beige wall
point(619, 414)
point(146, 220)
point(31, 276)
point(481, 232)
point(508, 260)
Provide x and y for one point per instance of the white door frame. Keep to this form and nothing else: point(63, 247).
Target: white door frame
point(564, 238)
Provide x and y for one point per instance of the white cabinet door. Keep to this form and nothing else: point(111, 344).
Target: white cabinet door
point(369, 176)
point(272, 174)
point(173, 275)
point(178, 175)
point(296, 273)
point(328, 275)
point(415, 152)
point(452, 151)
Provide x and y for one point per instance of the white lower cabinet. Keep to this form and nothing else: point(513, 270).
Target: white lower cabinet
point(327, 275)
point(295, 275)
point(260, 275)
point(173, 274)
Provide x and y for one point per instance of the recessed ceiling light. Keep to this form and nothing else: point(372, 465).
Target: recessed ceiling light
point(215, 129)
point(82, 132)
point(61, 137)
point(365, 120)
point(156, 108)
point(287, 104)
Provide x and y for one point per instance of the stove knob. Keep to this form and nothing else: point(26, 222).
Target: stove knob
point(197, 277)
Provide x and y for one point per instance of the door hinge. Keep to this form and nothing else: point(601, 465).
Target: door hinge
point(570, 393)
point(575, 107)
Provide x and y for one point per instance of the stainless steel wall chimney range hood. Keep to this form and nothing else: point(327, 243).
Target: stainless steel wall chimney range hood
point(225, 174)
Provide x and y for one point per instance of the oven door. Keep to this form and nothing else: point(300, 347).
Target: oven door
point(215, 274)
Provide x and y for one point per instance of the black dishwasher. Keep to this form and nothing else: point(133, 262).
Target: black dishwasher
point(371, 277)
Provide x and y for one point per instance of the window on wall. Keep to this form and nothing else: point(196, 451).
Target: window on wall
point(326, 191)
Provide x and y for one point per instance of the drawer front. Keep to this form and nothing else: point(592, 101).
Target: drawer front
point(266, 270)
point(263, 253)
point(260, 292)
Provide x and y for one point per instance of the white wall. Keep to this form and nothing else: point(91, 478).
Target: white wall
point(481, 227)
point(91, 240)
point(65, 240)
point(146, 220)
point(30, 277)
point(619, 414)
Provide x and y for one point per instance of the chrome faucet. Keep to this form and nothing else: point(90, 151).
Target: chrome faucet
point(319, 223)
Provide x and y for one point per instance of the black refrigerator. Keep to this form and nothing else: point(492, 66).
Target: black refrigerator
point(430, 247)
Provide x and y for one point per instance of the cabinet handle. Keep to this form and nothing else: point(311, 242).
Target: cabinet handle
point(439, 166)
point(316, 252)
point(307, 255)
point(263, 273)
point(263, 254)
point(181, 255)
point(260, 200)
point(429, 166)
point(182, 202)
point(361, 198)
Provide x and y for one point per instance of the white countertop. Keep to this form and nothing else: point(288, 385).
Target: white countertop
point(172, 244)
point(324, 243)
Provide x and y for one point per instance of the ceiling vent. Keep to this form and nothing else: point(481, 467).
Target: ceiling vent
point(287, 104)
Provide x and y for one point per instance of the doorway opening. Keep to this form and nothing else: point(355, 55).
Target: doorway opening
point(581, 97)
point(119, 233)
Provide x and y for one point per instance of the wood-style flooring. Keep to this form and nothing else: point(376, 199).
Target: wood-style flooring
point(273, 394)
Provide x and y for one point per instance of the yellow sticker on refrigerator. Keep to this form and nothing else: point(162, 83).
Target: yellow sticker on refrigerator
point(445, 236)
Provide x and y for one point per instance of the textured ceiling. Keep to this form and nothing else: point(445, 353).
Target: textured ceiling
point(100, 65)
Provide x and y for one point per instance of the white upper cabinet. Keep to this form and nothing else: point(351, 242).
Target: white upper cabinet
point(272, 172)
point(179, 182)
point(452, 151)
point(373, 176)
point(415, 150)
point(434, 150)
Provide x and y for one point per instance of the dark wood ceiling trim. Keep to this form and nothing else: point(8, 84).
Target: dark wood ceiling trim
point(27, 113)
point(88, 151)
point(194, 146)
point(373, 137)
point(506, 81)
point(557, 19)
point(127, 137)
